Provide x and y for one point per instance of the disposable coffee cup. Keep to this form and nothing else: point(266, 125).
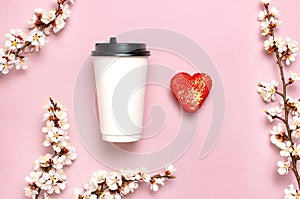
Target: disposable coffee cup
point(120, 74)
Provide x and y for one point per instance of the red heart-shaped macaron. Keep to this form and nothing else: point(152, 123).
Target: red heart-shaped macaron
point(191, 91)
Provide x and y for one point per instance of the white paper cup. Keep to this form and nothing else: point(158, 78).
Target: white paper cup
point(120, 75)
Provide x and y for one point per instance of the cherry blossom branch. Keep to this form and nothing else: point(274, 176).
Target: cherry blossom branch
point(286, 116)
point(41, 24)
point(48, 176)
point(117, 184)
point(283, 136)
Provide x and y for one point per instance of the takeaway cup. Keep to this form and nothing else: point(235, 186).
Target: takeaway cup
point(120, 75)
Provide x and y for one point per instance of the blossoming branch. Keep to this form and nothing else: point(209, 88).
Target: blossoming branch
point(41, 25)
point(48, 176)
point(285, 133)
point(116, 184)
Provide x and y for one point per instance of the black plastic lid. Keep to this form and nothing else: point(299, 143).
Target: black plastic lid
point(120, 49)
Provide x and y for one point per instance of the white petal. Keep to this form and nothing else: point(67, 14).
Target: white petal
point(5, 71)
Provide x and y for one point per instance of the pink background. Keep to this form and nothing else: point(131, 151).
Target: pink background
point(243, 163)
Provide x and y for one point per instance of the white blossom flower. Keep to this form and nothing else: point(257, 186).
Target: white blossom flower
point(58, 162)
point(264, 26)
point(280, 44)
point(295, 124)
point(36, 18)
point(170, 168)
point(37, 39)
point(129, 187)
point(290, 58)
point(291, 193)
point(76, 193)
point(155, 182)
point(21, 63)
point(52, 139)
point(114, 180)
point(70, 155)
point(49, 123)
point(57, 147)
point(6, 64)
point(293, 105)
point(145, 177)
point(50, 127)
point(274, 22)
point(97, 178)
point(53, 131)
point(262, 15)
point(30, 192)
point(89, 188)
point(283, 167)
point(56, 136)
point(287, 149)
point(278, 136)
point(268, 90)
point(65, 11)
point(32, 21)
point(45, 160)
point(48, 17)
point(269, 44)
point(33, 176)
point(292, 45)
point(64, 124)
point(61, 115)
point(296, 133)
point(291, 53)
point(273, 112)
point(53, 181)
point(296, 151)
point(14, 40)
point(268, 25)
point(294, 76)
point(274, 12)
point(59, 24)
